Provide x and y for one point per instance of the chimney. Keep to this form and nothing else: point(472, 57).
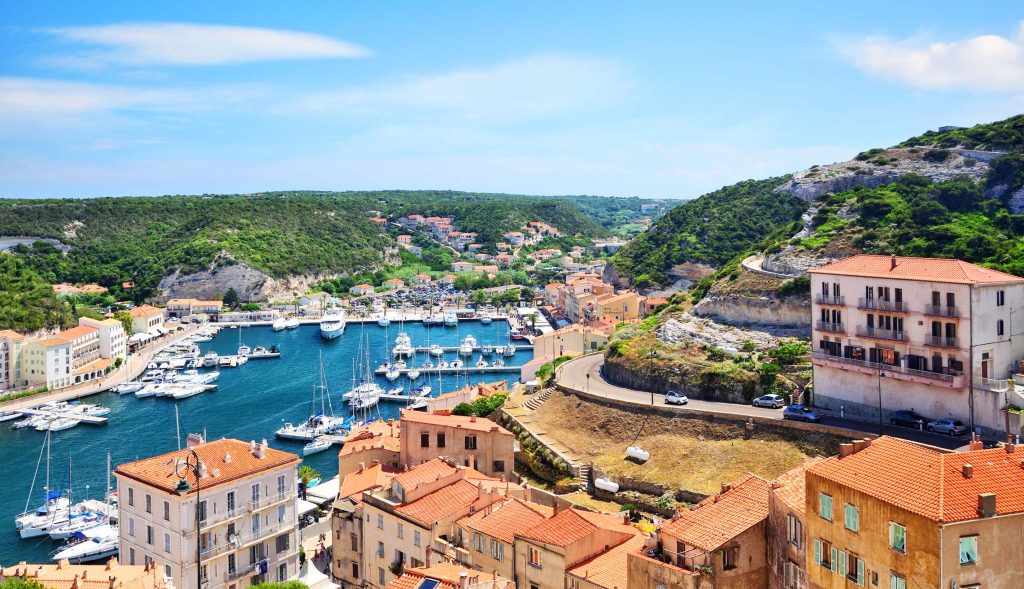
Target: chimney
point(227, 458)
point(726, 487)
point(776, 485)
point(202, 469)
point(193, 440)
point(975, 444)
point(968, 470)
point(892, 262)
point(986, 504)
point(858, 445)
point(845, 450)
point(463, 580)
point(1010, 448)
point(260, 449)
point(472, 418)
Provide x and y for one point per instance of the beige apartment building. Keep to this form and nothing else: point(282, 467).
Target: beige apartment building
point(47, 362)
point(347, 522)
point(787, 541)
point(245, 501)
point(890, 513)
point(11, 343)
point(147, 319)
point(932, 335)
point(487, 537)
point(113, 339)
point(471, 441)
point(186, 307)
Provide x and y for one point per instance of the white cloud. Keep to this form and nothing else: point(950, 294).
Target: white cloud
point(184, 44)
point(532, 87)
point(32, 96)
point(986, 62)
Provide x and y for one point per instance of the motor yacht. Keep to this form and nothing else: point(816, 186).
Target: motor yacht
point(332, 324)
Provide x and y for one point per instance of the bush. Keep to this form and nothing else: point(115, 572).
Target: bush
point(798, 285)
point(936, 155)
point(789, 352)
point(481, 407)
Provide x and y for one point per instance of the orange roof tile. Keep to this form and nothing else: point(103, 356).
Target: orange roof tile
point(51, 342)
point(790, 487)
point(928, 482)
point(10, 334)
point(571, 525)
point(925, 269)
point(145, 311)
point(504, 519)
point(109, 575)
point(364, 479)
point(226, 460)
point(76, 332)
point(448, 576)
point(720, 518)
point(376, 434)
point(608, 569)
point(427, 472)
point(442, 503)
point(480, 424)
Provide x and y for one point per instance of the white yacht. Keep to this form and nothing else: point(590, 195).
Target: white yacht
point(487, 349)
point(196, 377)
point(127, 388)
point(485, 320)
point(434, 320)
point(56, 424)
point(260, 352)
point(450, 319)
point(210, 359)
point(413, 373)
point(436, 350)
point(291, 323)
point(391, 372)
point(316, 445)
point(467, 345)
point(96, 543)
point(510, 351)
point(9, 415)
point(280, 324)
point(383, 321)
point(403, 345)
point(332, 324)
point(321, 419)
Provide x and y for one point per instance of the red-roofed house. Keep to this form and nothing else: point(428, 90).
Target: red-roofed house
point(718, 543)
point(421, 279)
point(446, 575)
point(472, 441)
point(393, 283)
point(361, 289)
point(786, 538)
point(377, 441)
point(915, 517)
point(488, 536)
point(934, 335)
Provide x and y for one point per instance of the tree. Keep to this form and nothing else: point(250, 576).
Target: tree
point(250, 307)
point(306, 474)
point(20, 583)
point(126, 320)
point(231, 299)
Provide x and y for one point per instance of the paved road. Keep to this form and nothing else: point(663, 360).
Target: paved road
point(573, 374)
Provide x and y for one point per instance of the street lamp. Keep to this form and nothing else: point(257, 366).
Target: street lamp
point(881, 375)
point(182, 467)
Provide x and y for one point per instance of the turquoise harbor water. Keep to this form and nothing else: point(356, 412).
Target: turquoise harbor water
point(251, 403)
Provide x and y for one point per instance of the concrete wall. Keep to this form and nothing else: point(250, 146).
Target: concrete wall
point(550, 574)
point(491, 447)
point(1000, 552)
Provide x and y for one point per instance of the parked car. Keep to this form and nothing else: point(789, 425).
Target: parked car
point(676, 398)
point(772, 401)
point(953, 427)
point(907, 419)
point(801, 413)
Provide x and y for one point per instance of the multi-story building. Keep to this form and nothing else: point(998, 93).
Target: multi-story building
point(47, 362)
point(347, 522)
point(113, 339)
point(375, 442)
point(186, 307)
point(718, 544)
point(932, 335)
point(548, 551)
point(445, 575)
point(64, 575)
point(787, 541)
point(233, 526)
point(624, 306)
point(11, 343)
point(85, 345)
point(476, 442)
point(487, 537)
point(890, 513)
point(147, 319)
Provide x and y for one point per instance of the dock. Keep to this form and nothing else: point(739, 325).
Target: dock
point(426, 349)
point(461, 370)
point(91, 419)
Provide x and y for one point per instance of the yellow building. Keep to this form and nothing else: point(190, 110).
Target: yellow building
point(487, 536)
point(476, 442)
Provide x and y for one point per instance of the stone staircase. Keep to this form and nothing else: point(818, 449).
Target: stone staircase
point(537, 400)
point(583, 478)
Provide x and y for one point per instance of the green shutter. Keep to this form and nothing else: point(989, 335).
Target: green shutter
point(833, 563)
point(860, 572)
point(817, 551)
point(842, 563)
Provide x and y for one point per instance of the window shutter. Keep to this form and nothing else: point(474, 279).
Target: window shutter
point(860, 572)
point(817, 551)
point(842, 563)
point(835, 557)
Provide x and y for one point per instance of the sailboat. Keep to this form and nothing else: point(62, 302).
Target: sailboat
point(403, 344)
point(321, 420)
point(383, 321)
point(54, 507)
point(365, 391)
point(86, 515)
point(243, 350)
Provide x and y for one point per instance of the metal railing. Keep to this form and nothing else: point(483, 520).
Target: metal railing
point(941, 342)
point(941, 311)
point(242, 540)
point(829, 326)
point(242, 508)
point(824, 299)
point(882, 305)
point(946, 374)
point(996, 385)
point(889, 334)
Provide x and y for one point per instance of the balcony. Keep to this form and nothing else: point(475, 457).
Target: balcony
point(996, 385)
point(937, 341)
point(213, 519)
point(827, 326)
point(889, 334)
point(824, 299)
point(946, 375)
point(879, 305)
point(941, 311)
point(243, 540)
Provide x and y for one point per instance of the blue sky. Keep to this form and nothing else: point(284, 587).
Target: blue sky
point(657, 99)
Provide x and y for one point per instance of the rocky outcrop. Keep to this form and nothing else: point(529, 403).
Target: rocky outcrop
point(249, 283)
point(687, 328)
point(780, 316)
point(881, 168)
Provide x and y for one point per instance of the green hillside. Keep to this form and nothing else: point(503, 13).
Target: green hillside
point(711, 229)
point(1005, 135)
point(27, 302)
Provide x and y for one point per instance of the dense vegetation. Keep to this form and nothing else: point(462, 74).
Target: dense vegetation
point(27, 302)
point(711, 229)
point(1005, 135)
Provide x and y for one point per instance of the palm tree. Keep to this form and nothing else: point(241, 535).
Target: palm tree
point(306, 473)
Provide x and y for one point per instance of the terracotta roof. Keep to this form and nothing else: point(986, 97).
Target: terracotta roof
point(427, 472)
point(11, 334)
point(930, 483)
point(364, 479)
point(480, 424)
point(925, 269)
point(571, 525)
point(76, 332)
point(442, 503)
point(504, 519)
point(226, 460)
point(720, 518)
point(51, 342)
point(376, 434)
point(608, 569)
point(145, 311)
point(88, 576)
point(447, 574)
point(790, 487)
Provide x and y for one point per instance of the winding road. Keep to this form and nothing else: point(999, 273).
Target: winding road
point(584, 374)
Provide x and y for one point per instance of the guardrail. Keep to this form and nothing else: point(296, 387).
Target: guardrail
point(889, 334)
point(823, 299)
point(829, 326)
point(941, 311)
point(941, 342)
point(996, 385)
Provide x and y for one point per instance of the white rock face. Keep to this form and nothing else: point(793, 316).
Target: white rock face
point(781, 316)
point(687, 328)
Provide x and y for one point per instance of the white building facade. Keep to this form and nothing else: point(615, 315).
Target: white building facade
point(935, 336)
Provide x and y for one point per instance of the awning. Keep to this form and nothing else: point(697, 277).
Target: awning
point(139, 337)
point(306, 507)
point(325, 492)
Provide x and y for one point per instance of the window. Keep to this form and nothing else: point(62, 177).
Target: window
point(380, 575)
point(823, 553)
point(256, 523)
point(399, 556)
point(794, 530)
point(415, 537)
point(825, 506)
point(440, 440)
point(898, 537)
point(355, 570)
point(203, 573)
point(281, 486)
point(149, 535)
point(424, 440)
point(167, 511)
point(380, 549)
point(968, 550)
point(282, 543)
point(851, 518)
point(499, 466)
point(534, 557)
point(167, 571)
point(897, 582)
point(231, 502)
point(149, 504)
point(131, 551)
point(401, 531)
point(355, 542)
point(131, 527)
point(1000, 298)
point(131, 496)
point(380, 521)
point(280, 514)
point(999, 327)
point(202, 511)
point(478, 542)
point(497, 550)
point(730, 556)
point(470, 442)
point(853, 569)
point(232, 564)
point(282, 572)
point(167, 543)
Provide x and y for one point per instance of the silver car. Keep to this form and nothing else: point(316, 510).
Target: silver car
point(772, 401)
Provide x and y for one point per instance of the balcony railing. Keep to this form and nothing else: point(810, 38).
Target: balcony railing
point(996, 385)
point(244, 539)
point(828, 326)
point(941, 311)
point(241, 509)
point(889, 334)
point(937, 341)
point(881, 305)
point(946, 375)
point(824, 299)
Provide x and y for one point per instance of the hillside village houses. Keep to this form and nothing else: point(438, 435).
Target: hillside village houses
point(936, 336)
point(111, 574)
point(11, 343)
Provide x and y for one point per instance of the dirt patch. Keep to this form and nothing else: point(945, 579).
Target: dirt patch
point(583, 500)
point(686, 452)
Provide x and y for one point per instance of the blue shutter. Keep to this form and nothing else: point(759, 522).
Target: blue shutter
point(860, 572)
point(842, 563)
point(817, 551)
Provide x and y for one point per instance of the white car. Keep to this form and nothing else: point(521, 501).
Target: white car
point(676, 398)
point(773, 401)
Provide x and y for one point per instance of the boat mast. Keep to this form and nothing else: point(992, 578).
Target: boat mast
point(32, 487)
point(177, 427)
